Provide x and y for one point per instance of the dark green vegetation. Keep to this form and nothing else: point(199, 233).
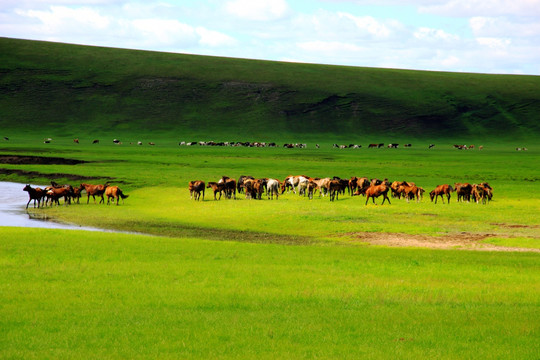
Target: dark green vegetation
point(55, 89)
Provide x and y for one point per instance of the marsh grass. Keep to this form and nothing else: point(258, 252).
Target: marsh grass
point(72, 294)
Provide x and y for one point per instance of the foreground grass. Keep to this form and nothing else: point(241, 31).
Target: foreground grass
point(69, 294)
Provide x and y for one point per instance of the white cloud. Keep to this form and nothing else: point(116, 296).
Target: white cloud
point(61, 18)
point(434, 35)
point(467, 8)
point(258, 10)
point(164, 32)
point(502, 26)
point(214, 38)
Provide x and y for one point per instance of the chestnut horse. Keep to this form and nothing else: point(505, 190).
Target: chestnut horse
point(217, 188)
point(94, 190)
point(377, 190)
point(115, 193)
point(441, 190)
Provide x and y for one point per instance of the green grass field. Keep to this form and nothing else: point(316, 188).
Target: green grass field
point(288, 278)
point(69, 294)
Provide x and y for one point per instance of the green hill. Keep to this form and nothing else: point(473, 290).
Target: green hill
point(72, 90)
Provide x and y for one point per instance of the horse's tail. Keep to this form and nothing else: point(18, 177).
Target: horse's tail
point(122, 195)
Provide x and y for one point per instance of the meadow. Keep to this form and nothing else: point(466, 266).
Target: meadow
point(287, 278)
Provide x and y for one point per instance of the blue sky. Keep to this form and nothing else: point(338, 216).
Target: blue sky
point(487, 36)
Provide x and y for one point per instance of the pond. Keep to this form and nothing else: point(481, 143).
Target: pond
point(13, 210)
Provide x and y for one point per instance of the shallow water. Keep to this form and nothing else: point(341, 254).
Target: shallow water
point(13, 210)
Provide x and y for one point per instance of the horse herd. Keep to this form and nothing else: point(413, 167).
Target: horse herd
point(332, 187)
point(52, 194)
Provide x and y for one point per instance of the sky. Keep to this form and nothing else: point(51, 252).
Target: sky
point(481, 36)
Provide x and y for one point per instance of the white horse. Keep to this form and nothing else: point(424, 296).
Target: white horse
point(272, 186)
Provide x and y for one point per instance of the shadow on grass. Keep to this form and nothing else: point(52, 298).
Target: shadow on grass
point(189, 231)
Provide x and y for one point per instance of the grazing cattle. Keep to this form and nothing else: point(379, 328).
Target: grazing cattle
point(441, 190)
point(76, 141)
point(377, 190)
point(393, 146)
point(463, 191)
point(94, 190)
point(116, 141)
point(272, 188)
point(47, 141)
point(196, 187)
point(407, 145)
point(139, 142)
point(115, 193)
point(373, 146)
point(151, 143)
point(317, 146)
point(7, 139)
point(481, 147)
point(96, 141)
point(431, 146)
point(34, 194)
point(217, 188)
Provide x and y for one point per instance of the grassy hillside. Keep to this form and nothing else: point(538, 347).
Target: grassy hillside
point(67, 90)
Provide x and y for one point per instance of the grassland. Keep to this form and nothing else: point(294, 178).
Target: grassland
point(74, 295)
point(288, 278)
point(67, 90)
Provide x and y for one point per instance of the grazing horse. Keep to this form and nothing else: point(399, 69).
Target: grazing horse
point(115, 193)
point(195, 188)
point(230, 187)
point(217, 188)
point(411, 191)
point(441, 190)
point(334, 187)
point(362, 184)
point(94, 190)
point(377, 190)
point(479, 193)
point(272, 187)
point(321, 184)
point(463, 191)
point(34, 194)
point(240, 182)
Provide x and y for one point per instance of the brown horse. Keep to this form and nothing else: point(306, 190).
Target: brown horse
point(195, 189)
point(377, 190)
point(217, 188)
point(34, 194)
point(56, 193)
point(463, 191)
point(114, 192)
point(441, 190)
point(94, 190)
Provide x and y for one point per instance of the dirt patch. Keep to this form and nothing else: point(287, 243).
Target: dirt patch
point(516, 226)
point(461, 241)
point(37, 160)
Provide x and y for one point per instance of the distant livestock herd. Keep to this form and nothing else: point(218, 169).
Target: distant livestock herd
point(332, 187)
point(273, 144)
